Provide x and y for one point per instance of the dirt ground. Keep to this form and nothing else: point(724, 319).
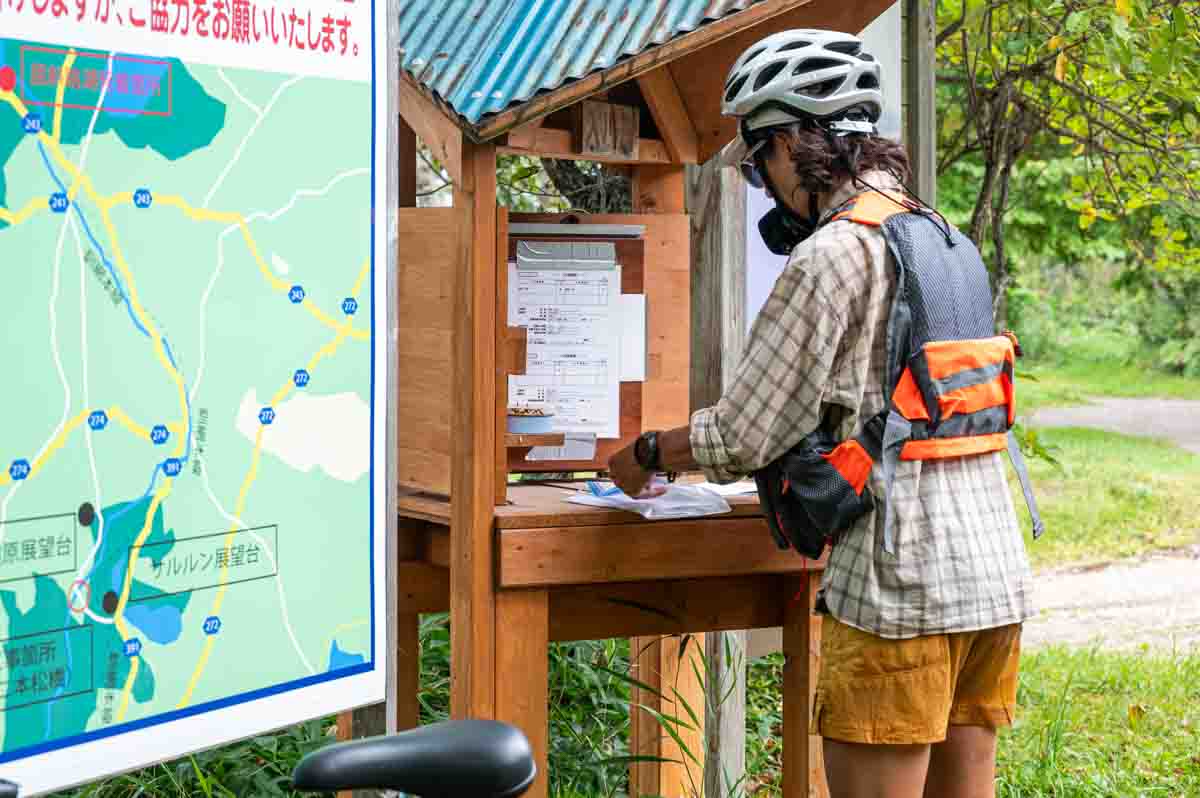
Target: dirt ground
point(1154, 600)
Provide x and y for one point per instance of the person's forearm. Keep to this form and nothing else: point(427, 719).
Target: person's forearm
point(675, 448)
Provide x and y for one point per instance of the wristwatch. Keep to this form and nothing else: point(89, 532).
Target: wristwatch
point(647, 453)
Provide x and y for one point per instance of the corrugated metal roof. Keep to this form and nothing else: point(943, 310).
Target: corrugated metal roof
point(481, 56)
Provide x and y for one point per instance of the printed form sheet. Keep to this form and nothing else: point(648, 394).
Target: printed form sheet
point(567, 295)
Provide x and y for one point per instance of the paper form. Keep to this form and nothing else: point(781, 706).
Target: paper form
point(567, 296)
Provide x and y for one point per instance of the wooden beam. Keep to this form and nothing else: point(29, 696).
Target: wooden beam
point(683, 686)
point(662, 96)
point(524, 136)
point(549, 142)
point(645, 735)
point(716, 202)
point(406, 160)
point(605, 130)
point(920, 124)
point(522, 673)
point(725, 712)
point(437, 130)
point(408, 670)
point(597, 612)
point(642, 62)
point(472, 588)
point(422, 588)
point(640, 552)
point(500, 357)
point(658, 189)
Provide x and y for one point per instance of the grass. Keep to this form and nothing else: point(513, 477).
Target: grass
point(1089, 725)
point(1114, 496)
point(1093, 725)
point(1065, 384)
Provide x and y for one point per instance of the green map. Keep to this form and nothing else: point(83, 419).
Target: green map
point(185, 448)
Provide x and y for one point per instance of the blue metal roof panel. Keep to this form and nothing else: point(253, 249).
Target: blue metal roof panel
point(481, 56)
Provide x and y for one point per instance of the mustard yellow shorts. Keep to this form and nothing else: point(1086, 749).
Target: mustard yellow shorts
point(902, 692)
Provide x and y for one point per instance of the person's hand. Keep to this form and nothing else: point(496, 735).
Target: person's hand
point(628, 475)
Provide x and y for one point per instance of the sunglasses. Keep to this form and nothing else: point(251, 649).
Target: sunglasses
point(749, 167)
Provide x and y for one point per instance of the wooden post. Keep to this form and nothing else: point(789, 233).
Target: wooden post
point(803, 771)
point(522, 672)
point(472, 485)
point(716, 201)
point(645, 737)
point(920, 128)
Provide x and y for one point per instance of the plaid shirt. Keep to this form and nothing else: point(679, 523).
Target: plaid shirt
point(816, 353)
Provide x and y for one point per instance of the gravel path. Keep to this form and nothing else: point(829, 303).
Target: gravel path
point(1176, 420)
point(1154, 600)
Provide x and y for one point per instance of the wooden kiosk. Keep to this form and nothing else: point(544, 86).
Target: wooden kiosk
point(515, 565)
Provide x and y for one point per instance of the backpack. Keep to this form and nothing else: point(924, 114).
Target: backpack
point(948, 378)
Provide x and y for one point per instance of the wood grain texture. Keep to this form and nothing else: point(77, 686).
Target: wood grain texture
point(437, 129)
point(532, 506)
point(522, 673)
point(643, 609)
point(406, 163)
point(422, 588)
point(645, 734)
point(658, 188)
point(716, 201)
point(501, 354)
point(426, 266)
point(605, 130)
point(683, 686)
point(407, 666)
point(802, 772)
point(639, 552)
point(550, 142)
point(472, 587)
point(920, 123)
point(670, 115)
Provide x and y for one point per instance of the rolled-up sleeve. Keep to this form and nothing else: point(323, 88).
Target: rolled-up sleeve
point(775, 397)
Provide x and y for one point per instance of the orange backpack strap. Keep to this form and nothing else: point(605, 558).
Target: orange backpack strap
point(872, 208)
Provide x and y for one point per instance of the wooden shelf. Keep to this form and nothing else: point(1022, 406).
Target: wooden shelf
point(517, 441)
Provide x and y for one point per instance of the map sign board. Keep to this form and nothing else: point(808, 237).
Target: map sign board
point(193, 375)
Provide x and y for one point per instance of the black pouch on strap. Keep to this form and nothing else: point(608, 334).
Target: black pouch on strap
point(817, 489)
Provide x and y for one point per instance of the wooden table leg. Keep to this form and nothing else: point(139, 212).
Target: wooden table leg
point(522, 672)
point(803, 770)
point(645, 658)
point(660, 664)
point(408, 671)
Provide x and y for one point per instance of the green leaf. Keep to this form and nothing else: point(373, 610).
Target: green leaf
point(1077, 22)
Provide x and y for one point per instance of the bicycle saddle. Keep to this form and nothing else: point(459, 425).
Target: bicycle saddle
point(8, 789)
point(453, 759)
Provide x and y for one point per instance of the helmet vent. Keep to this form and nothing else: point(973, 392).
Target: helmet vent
point(768, 74)
point(865, 57)
point(849, 48)
point(814, 64)
point(735, 87)
point(822, 89)
point(794, 46)
point(867, 82)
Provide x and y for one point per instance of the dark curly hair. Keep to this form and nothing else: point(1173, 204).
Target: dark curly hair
point(824, 161)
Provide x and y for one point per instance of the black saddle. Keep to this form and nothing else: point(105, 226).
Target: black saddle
point(455, 759)
point(8, 789)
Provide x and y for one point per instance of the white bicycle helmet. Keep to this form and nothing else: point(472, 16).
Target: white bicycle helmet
point(799, 74)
